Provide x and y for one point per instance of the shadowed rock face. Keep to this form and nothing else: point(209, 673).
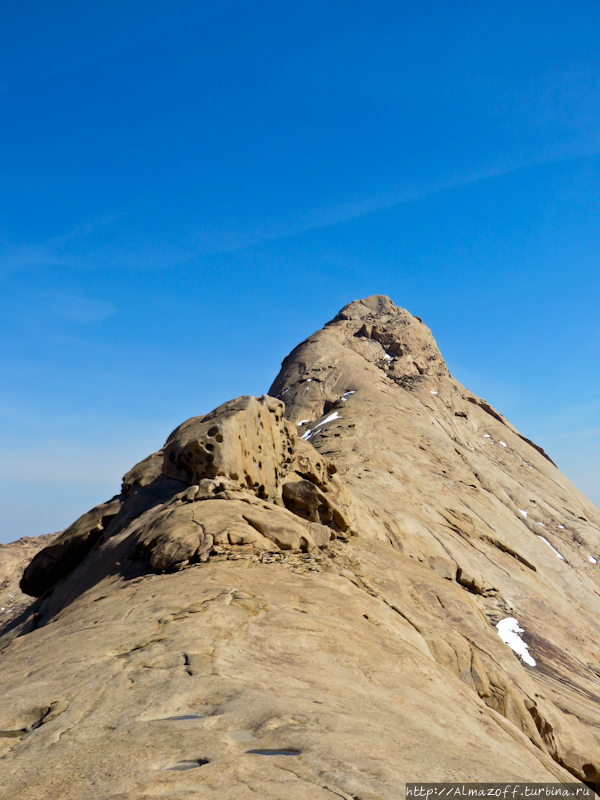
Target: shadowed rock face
point(14, 557)
point(323, 580)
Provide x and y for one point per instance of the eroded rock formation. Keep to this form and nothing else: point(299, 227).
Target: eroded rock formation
point(301, 596)
point(237, 477)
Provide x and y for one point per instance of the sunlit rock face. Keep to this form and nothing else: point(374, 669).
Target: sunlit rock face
point(365, 577)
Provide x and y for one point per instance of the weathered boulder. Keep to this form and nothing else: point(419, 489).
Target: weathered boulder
point(306, 500)
point(247, 441)
point(180, 534)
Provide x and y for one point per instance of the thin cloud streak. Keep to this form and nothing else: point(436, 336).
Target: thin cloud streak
point(328, 216)
point(166, 254)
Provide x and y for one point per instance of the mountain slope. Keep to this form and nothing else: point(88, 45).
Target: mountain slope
point(301, 601)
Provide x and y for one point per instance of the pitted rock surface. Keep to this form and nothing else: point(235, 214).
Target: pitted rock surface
point(282, 610)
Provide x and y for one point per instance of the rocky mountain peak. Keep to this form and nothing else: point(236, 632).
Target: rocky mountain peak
point(368, 572)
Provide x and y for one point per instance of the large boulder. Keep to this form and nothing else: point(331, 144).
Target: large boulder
point(247, 441)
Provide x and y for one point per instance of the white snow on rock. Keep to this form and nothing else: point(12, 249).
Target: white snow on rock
point(509, 631)
point(388, 358)
point(562, 526)
point(550, 546)
point(347, 393)
point(432, 392)
point(540, 523)
point(503, 444)
point(303, 422)
point(592, 560)
point(330, 418)
point(523, 512)
point(486, 436)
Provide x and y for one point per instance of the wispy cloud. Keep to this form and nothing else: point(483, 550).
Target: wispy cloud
point(340, 213)
point(74, 248)
point(54, 251)
point(76, 308)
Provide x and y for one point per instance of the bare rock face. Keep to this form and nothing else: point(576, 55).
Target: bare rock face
point(455, 487)
point(380, 581)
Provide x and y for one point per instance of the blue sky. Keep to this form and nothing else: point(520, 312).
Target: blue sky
point(189, 189)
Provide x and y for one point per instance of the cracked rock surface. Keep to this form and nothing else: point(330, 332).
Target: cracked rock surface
point(297, 597)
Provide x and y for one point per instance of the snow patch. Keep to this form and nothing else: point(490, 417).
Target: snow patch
point(510, 633)
point(303, 422)
point(388, 358)
point(562, 526)
point(525, 514)
point(486, 436)
point(540, 523)
point(347, 393)
point(432, 392)
point(503, 444)
point(550, 546)
point(592, 560)
point(330, 418)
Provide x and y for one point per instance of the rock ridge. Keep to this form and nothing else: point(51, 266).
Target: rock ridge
point(309, 593)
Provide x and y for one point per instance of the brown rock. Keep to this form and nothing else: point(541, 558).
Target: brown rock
point(226, 611)
point(246, 440)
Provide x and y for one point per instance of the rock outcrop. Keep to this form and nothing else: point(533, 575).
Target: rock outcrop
point(14, 558)
point(237, 477)
point(364, 578)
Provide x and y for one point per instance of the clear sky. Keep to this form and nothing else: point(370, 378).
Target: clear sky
point(189, 189)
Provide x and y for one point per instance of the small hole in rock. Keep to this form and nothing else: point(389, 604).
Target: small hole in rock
point(219, 438)
point(199, 762)
point(284, 752)
point(212, 431)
